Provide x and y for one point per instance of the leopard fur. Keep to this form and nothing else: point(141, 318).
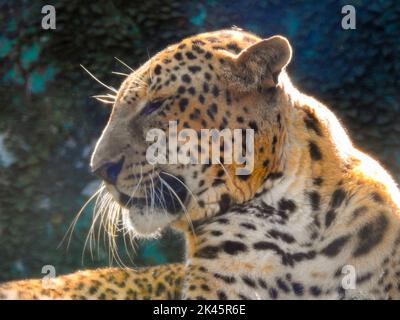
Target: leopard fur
point(314, 211)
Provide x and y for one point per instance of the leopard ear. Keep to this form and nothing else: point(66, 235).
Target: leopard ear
point(259, 64)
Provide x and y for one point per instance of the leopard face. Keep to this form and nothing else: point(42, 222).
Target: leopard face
point(220, 80)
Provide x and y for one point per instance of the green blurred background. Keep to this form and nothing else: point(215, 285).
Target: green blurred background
point(49, 123)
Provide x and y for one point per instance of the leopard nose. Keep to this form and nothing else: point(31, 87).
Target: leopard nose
point(109, 171)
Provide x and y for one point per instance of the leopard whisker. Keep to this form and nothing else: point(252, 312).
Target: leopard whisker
point(105, 96)
point(120, 73)
point(159, 197)
point(107, 99)
point(104, 101)
point(182, 205)
point(97, 212)
point(77, 216)
point(184, 185)
point(95, 215)
point(124, 64)
point(103, 207)
point(103, 84)
point(230, 178)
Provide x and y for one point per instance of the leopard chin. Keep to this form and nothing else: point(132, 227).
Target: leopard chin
point(148, 215)
point(146, 222)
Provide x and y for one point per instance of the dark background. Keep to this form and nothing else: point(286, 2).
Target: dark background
point(49, 123)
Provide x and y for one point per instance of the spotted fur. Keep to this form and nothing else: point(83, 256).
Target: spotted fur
point(161, 282)
point(313, 206)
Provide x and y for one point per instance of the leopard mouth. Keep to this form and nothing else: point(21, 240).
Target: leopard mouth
point(168, 193)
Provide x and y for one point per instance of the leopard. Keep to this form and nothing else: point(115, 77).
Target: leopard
point(315, 218)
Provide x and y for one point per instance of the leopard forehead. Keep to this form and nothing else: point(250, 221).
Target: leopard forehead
point(189, 66)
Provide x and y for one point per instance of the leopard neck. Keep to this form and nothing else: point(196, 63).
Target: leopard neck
point(307, 156)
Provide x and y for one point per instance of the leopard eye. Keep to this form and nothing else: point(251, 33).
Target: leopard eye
point(151, 106)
